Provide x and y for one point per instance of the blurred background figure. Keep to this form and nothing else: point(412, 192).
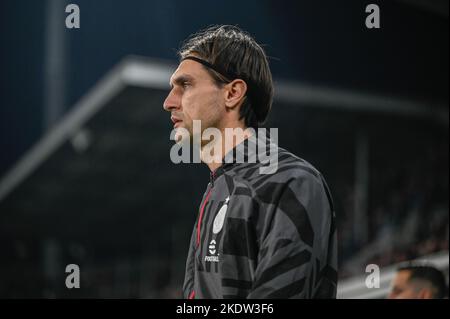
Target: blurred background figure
point(418, 282)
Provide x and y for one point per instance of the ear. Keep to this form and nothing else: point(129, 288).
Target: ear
point(234, 93)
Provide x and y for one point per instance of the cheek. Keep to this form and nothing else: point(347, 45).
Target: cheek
point(204, 106)
point(213, 107)
point(190, 107)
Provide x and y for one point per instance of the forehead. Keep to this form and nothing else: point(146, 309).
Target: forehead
point(190, 69)
point(402, 277)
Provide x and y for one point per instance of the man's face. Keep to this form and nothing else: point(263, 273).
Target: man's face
point(403, 288)
point(194, 96)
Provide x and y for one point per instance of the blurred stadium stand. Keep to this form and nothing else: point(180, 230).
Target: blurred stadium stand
point(99, 189)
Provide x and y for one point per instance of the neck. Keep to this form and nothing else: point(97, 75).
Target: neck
point(214, 151)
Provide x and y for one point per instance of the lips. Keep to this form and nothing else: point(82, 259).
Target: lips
point(175, 120)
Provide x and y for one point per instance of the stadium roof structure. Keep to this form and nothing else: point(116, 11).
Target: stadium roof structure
point(137, 78)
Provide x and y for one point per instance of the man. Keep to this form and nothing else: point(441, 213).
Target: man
point(259, 233)
point(418, 282)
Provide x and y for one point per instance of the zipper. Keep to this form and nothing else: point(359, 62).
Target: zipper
point(202, 209)
point(199, 224)
point(212, 177)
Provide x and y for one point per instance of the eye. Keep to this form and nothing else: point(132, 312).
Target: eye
point(185, 84)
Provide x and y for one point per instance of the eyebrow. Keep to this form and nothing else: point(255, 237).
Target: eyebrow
point(180, 79)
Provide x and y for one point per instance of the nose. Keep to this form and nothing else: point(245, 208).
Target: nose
point(172, 101)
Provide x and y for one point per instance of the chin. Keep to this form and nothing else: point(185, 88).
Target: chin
point(182, 136)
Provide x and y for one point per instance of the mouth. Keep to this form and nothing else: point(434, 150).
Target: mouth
point(175, 121)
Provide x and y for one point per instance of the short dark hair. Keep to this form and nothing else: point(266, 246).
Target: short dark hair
point(427, 273)
point(231, 49)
